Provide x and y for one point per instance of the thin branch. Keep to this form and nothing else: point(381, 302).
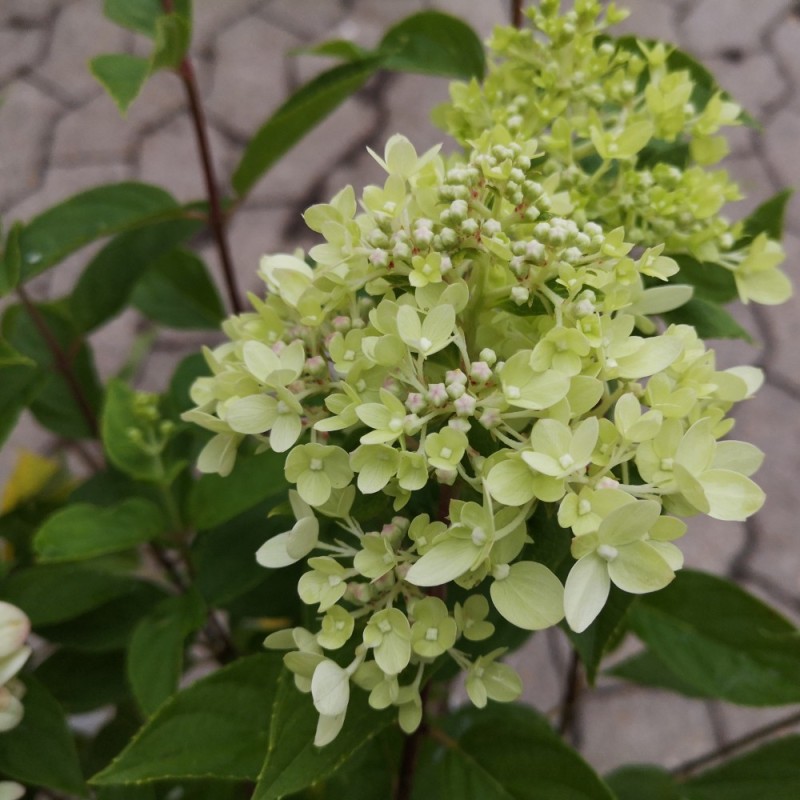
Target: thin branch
point(410, 756)
point(216, 215)
point(61, 361)
point(690, 767)
point(517, 17)
point(572, 690)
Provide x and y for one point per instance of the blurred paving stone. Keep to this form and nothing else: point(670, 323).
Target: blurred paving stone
point(712, 545)
point(737, 721)
point(638, 725)
point(27, 13)
point(210, 17)
point(98, 132)
point(309, 162)
point(81, 33)
point(246, 90)
point(26, 120)
point(307, 19)
point(754, 182)
point(168, 157)
point(755, 81)
point(771, 421)
point(362, 171)
point(785, 41)
point(112, 343)
point(481, 16)
point(713, 26)
point(542, 665)
point(650, 19)
point(19, 49)
point(781, 140)
point(368, 20)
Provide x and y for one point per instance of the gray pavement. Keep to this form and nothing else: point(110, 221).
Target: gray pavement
point(59, 134)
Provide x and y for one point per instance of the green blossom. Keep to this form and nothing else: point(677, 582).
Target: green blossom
point(389, 634)
point(317, 469)
point(434, 631)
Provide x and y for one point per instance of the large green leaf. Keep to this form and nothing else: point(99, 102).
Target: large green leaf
point(436, 44)
point(107, 282)
point(11, 260)
point(118, 421)
point(155, 653)
point(54, 593)
point(255, 478)
point(142, 15)
point(121, 75)
point(647, 670)
point(88, 216)
point(217, 727)
point(771, 772)
point(83, 530)
point(297, 116)
point(292, 761)
point(642, 782)
point(84, 681)
point(769, 217)
point(178, 291)
point(602, 633)
point(52, 398)
point(711, 282)
point(171, 42)
point(20, 382)
point(713, 635)
point(503, 753)
point(40, 750)
point(710, 320)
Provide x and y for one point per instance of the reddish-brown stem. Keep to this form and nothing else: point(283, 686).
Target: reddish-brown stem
point(517, 17)
point(572, 692)
point(216, 216)
point(61, 361)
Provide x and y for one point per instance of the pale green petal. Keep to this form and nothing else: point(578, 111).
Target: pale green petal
point(314, 486)
point(502, 683)
point(691, 489)
point(443, 563)
point(652, 356)
point(330, 689)
point(548, 489)
point(530, 596)
point(254, 414)
point(629, 522)
point(260, 360)
point(586, 592)
point(542, 462)
point(740, 457)
point(274, 553)
point(696, 450)
point(408, 325)
point(584, 440)
point(670, 553)
point(545, 390)
point(439, 325)
point(551, 437)
point(285, 432)
point(328, 729)
point(302, 537)
point(639, 569)
point(219, 454)
point(376, 415)
point(400, 155)
point(511, 482)
point(731, 496)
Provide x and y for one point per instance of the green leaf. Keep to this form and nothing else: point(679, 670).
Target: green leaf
point(54, 593)
point(155, 654)
point(293, 762)
point(434, 43)
point(508, 753)
point(214, 499)
point(297, 116)
point(647, 670)
point(769, 217)
point(11, 263)
point(83, 531)
point(640, 781)
point(88, 216)
point(171, 42)
point(84, 681)
point(188, 370)
point(336, 48)
point(118, 420)
point(121, 75)
point(711, 282)
point(20, 383)
point(41, 750)
point(108, 626)
point(54, 404)
point(217, 727)
point(722, 640)
point(142, 15)
point(710, 320)
point(771, 771)
point(178, 291)
point(107, 282)
point(593, 643)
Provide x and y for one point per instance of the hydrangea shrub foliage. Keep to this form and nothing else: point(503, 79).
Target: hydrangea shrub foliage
point(482, 405)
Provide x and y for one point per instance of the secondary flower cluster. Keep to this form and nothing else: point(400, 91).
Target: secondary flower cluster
point(467, 347)
point(14, 630)
point(630, 128)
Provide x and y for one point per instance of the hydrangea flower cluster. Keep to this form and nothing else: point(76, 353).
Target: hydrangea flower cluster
point(14, 629)
point(628, 129)
point(469, 346)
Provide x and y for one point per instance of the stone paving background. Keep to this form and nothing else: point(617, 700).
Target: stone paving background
point(60, 133)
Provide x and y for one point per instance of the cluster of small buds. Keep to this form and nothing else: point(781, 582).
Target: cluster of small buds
point(474, 344)
point(622, 136)
point(14, 630)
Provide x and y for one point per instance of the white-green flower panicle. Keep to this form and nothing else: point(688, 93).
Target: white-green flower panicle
point(14, 630)
point(473, 359)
